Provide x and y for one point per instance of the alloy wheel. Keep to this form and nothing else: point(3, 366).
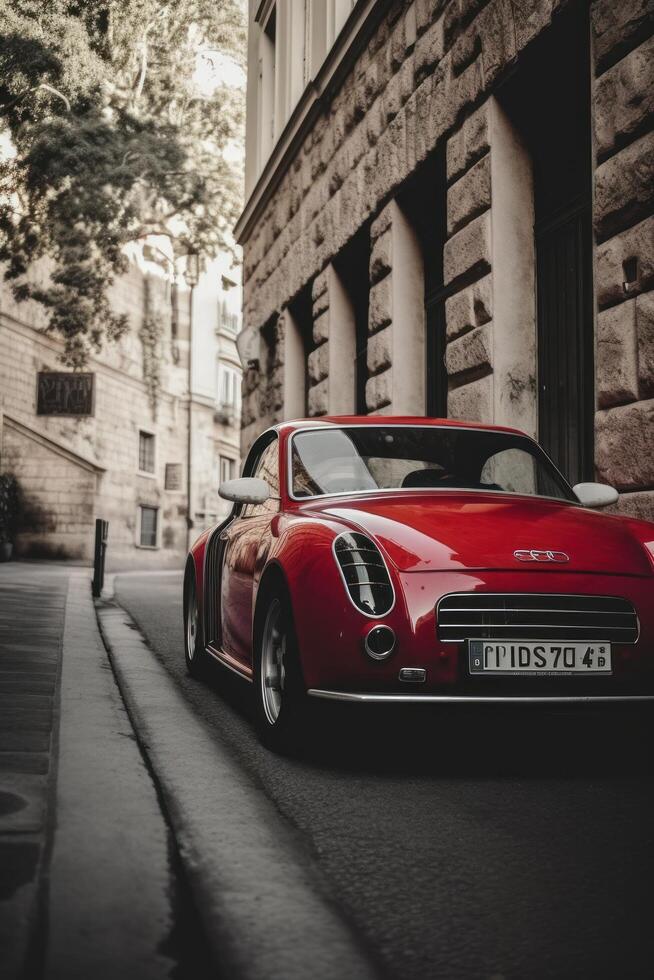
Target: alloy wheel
point(273, 674)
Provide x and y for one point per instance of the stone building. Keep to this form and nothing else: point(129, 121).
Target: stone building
point(113, 441)
point(449, 211)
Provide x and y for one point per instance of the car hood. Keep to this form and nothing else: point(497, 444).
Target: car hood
point(445, 531)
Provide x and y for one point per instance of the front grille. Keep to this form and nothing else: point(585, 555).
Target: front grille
point(527, 616)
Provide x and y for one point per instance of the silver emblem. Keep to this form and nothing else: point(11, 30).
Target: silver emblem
point(542, 556)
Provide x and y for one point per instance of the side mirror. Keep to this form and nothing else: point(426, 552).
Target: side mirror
point(595, 494)
point(245, 490)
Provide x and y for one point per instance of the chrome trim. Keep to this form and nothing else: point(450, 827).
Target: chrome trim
point(545, 595)
point(419, 675)
point(378, 656)
point(576, 612)
point(223, 663)
point(472, 698)
point(345, 583)
point(574, 502)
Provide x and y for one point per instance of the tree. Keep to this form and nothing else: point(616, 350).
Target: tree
point(111, 139)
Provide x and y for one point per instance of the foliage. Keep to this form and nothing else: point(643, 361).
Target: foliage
point(9, 506)
point(113, 140)
point(151, 334)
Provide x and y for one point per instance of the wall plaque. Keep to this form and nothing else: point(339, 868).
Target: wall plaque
point(65, 393)
point(173, 477)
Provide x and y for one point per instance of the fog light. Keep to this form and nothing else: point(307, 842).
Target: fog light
point(379, 642)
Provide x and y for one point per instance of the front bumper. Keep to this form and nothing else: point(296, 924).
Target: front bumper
point(365, 698)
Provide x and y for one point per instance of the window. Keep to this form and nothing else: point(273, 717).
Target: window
point(267, 86)
point(227, 469)
point(423, 200)
point(267, 469)
point(298, 343)
point(146, 452)
point(229, 387)
point(351, 266)
point(149, 521)
point(367, 459)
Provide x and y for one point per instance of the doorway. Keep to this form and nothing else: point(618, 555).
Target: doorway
point(548, 100)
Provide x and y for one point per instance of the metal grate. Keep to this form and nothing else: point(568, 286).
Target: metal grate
point(535, 616)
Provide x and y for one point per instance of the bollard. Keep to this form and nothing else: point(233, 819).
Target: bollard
point(101, 535)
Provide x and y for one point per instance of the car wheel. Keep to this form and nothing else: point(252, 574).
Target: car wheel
point(195, 654)
point(280, 697)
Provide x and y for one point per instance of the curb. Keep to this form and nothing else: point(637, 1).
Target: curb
point(264, 913)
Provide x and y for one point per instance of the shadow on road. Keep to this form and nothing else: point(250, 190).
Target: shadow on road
point(467, 741)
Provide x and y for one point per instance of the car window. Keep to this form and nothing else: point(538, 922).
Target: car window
point(368, 458)
point(267, 468)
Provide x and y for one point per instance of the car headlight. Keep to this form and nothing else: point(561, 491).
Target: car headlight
point(649, 548)
point(364, 573)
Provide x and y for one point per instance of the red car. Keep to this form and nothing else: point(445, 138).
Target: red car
point(405, 559)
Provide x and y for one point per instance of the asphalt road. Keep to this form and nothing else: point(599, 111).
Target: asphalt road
point(488, 843)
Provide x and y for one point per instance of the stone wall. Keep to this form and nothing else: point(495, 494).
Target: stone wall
point(426, 80)
point(623, 107)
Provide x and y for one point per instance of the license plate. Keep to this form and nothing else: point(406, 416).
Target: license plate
point(546, 659)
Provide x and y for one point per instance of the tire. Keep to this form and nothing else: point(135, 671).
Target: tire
point(279, 691)
point(194, 652)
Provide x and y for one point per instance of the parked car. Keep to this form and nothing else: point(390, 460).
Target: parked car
point(408, 560)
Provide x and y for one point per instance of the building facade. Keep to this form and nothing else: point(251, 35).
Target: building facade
point(449, 213)
point(113, 441)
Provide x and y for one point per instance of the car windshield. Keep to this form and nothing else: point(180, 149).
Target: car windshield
point(360, 459)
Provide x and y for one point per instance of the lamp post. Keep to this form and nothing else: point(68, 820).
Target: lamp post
point(191, 275)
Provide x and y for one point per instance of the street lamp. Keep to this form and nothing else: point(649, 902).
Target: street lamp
point(191, 276)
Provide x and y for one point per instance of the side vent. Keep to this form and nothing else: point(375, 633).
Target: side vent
point(365, 574)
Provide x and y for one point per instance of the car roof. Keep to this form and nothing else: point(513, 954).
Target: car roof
point(327, 421)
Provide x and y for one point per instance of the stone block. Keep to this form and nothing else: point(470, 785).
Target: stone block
point(624, 187)
point(379, 353)
point(635, 243)
point(623, 445)
point(462, 92)
point(458, 15)
point(470, 352)
point(426, 12)
point(378, 391)
point(469, 250)
point(617, 25)
point(469, 144)
point(318, 398)
point(410, 29)
point(469, 308)
point(617, 367)
point(428, 51)
point(645, 341)
point(374, 122)
point(472, 402)
point(380, 305)
point(380, 257)
point(494, 27)
point(318, 364)
point(530, 17)
point(639, 505)
point(321, 328)
point(381, 223)
point(469, 196)
point(624, 98)
point(319, 285)
point(396, 47)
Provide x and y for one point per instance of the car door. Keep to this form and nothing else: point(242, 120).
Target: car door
point(247, 543)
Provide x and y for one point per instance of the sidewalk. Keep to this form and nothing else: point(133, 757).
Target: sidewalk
point(32, 607)
point(86, 885)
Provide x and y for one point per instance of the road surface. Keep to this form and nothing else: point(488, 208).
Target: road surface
point(487, 843)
